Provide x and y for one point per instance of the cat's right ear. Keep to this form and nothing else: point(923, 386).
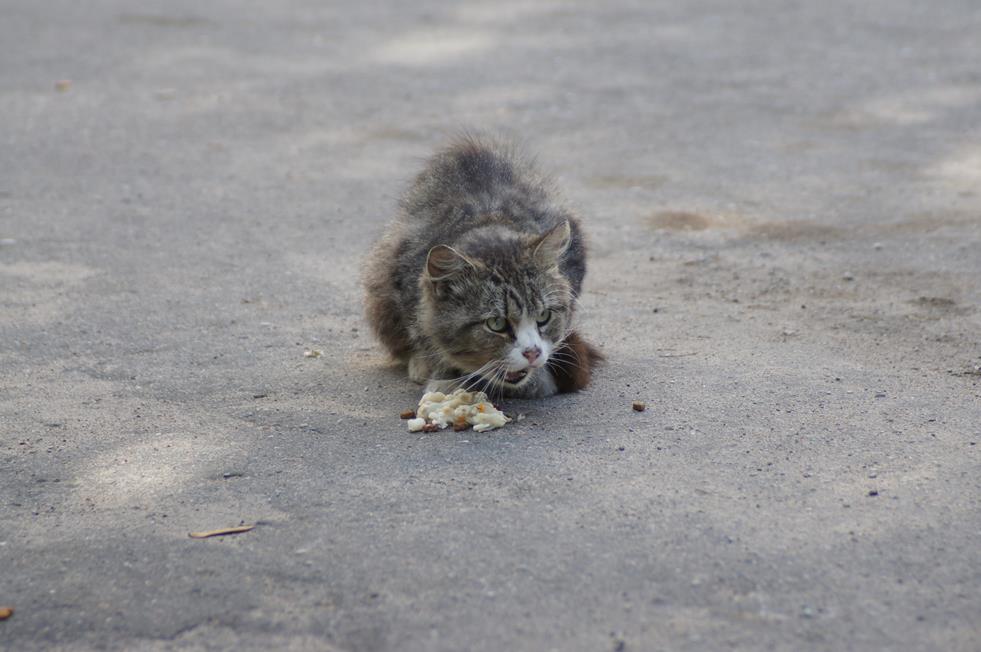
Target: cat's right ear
point(553, 245)
point(443, 262)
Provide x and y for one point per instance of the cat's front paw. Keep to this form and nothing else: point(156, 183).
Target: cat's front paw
point(419, 369)
point(444, 386)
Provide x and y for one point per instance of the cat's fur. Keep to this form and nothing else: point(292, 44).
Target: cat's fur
point(479, 238)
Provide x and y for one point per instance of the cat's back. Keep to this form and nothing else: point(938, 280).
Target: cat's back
point(474, 177)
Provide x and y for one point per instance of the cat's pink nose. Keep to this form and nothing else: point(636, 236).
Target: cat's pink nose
point(531, 354)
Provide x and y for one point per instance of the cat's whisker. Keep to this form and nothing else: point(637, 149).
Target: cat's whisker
point(487, 376)
point(497, 382)
point(465, 377)
point(563, 349)
point(570, 362)
point(480, 375)
point(560, 364)
point(559, 342)
point(474, 382)
point(573, 361)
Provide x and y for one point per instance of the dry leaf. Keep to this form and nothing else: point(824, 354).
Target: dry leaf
point(6, 612)
point(221, 532)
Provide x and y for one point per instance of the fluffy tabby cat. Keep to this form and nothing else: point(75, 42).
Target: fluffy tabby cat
point(475, 283)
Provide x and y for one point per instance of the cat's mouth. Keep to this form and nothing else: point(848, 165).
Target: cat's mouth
point(515, 377)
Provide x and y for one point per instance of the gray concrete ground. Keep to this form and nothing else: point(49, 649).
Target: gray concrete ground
point(784, 204)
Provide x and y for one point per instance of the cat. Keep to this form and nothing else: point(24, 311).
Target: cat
point(475, 283)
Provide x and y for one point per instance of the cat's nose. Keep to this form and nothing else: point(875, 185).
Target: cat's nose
point(531, 354)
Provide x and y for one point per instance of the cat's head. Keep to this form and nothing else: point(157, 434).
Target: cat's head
point(496, 305)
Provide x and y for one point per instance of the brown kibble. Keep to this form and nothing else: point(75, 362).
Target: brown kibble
point(639, 406)
point(408, 414)
point(221, 532)
point(430, 427)
point(6, 612)
point(461, 424)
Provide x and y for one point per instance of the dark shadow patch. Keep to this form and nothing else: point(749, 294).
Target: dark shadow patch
point(939, 304)
point(679, 221)
point(794, 230)
point(928, 222)
point(785, 231)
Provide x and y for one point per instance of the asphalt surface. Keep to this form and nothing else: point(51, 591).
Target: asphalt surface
point(784, 207)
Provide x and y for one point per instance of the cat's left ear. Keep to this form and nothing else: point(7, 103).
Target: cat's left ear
point(550, 247)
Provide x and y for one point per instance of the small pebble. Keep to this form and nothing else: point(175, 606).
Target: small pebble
point(873, 492)
point(848, 277)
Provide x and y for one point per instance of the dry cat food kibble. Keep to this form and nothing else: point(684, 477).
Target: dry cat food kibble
point(460, 409)
point(639, 406)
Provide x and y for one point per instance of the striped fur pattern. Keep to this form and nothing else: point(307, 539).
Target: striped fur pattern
point(475, 282)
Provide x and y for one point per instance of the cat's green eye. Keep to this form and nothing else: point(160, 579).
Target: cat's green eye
point(497, 324)
point(544, 317)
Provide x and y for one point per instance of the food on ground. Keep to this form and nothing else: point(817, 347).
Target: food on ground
point(460, 409)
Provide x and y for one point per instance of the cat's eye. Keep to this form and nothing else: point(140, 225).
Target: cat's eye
point(497, 324)
point(544, 317)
